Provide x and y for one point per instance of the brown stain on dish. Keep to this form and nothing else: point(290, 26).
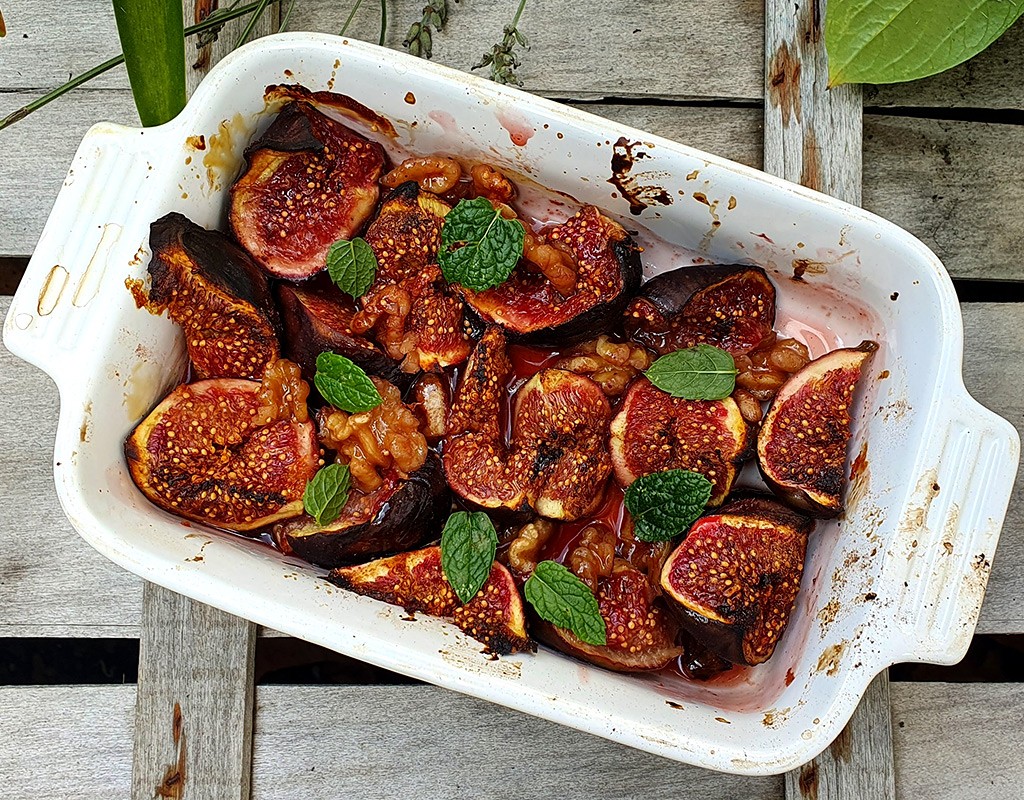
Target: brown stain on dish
point(225, 150)
point(410, 98)
point(828, 662)
point(53, 288)
point(827, 615)
point(732, 203)
point(883, 374)
point(83, 432)
point(196, 142)
point(808, 781)
point(790, 677)
point(700, 197)
point(692, 176)
point(625, 154)
point(674, 705)
point(784, 83)
point(173, 784)
point(807, 266)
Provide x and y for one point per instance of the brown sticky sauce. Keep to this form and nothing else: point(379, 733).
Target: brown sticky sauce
point(410, 98)
point(225, 151)
point(519, 131)
point(196, 142)
point(83, 431)
point(790, 677)
point(53, 287)
point(828, 662)
point(640, 196)
point(806, 266)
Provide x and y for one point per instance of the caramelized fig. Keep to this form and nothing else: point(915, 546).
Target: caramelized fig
point(641, 633)
point(801, 447)
point(556, 461)
point(203, 455)
point(321, 320)
point(654, 431)
point(495, 616)
point(415, 315)
point(731, 306)
point(559, 434)
point(309, 181)
point(736, 575)
point(532, 310)
point(396, 516)
point(219, 296)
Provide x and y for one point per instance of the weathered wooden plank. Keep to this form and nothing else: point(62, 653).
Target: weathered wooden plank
point(958, 741)
point(813, 136)
point(193, 710)
point(953, 184)
point(716, 49)
point(953, 742)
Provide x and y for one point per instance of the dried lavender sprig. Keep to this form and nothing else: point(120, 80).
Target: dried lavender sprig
point(502, 59)
point(420, 39)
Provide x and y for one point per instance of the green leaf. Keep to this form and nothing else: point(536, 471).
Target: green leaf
point(665, 504)
point(327, 493)
point(696, 373)
point(344, 385)
point(352, 266)
point(491, 245)
point(152, 34)
point(564, 600)
point(468, 544)
point(889, 41)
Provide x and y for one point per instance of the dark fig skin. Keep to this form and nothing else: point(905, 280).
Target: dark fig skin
point(319, 321)
point(603, 315)
point(407, 514)
point(655, 318)
point(203, 279)
point(743, 620)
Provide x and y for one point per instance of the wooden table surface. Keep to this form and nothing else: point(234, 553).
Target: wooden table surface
point(941, 157)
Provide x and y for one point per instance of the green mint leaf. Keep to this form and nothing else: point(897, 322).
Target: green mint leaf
point(564, 600)
point(665, 504)
point(468, 544)
point(344, 385)
point(327, 493)
point(696, 373)
point(352, 266)
point(882, 41)
point(491, 245)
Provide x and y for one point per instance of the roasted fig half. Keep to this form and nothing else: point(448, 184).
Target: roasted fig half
point(731, 306)
point(208, 453)
point(416, 582)
point(532, 310)
point(414, 314)
point(641, 633)
point(735, 577)
point(308, 182)
point(219, 296)
point(557, 460)
point(319, 320)
point(396, 516)
point(801, 447)
point(654, 431)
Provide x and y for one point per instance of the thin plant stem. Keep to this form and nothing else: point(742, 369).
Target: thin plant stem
point(519, 13)
point(283, 25)
point(109, 64)
point(383, 21)
point(251, 24)
point(351, 14)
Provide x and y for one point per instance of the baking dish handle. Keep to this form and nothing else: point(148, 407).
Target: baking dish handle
point(63, 302)
point(947, 535)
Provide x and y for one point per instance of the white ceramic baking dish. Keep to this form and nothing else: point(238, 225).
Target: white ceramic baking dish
point(900, 578)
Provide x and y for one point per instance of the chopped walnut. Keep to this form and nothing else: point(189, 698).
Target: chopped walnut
point(384, 438)
point(609, 364)
point(435, 174)
point(763, 370)
point(593, 556)
point(282, 394)
point(524, 552)
point(491, 183)
point(387, 311)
